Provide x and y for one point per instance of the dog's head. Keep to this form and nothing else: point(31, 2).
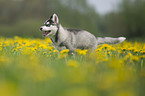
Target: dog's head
point(50, 26)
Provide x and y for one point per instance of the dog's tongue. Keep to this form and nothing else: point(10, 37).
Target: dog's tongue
point(45, 33)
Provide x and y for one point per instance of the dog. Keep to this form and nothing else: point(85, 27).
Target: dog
point(72, 39)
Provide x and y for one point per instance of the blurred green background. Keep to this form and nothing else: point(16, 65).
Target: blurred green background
point(24, 17)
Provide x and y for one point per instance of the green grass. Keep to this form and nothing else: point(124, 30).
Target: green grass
point(32, 67)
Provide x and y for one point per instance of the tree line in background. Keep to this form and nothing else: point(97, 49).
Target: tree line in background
point(24, 17)
point(129, 20)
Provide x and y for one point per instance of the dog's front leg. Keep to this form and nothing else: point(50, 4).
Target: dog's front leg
point(71, 48)
point(60, 48)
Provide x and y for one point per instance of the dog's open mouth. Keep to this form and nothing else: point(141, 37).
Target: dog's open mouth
point(46, 33)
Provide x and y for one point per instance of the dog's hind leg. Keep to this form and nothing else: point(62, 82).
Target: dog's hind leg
point(93, 49)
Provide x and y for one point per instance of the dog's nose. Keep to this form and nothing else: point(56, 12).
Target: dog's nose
point(41, 28)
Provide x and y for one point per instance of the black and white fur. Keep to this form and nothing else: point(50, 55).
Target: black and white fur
point(73, 38)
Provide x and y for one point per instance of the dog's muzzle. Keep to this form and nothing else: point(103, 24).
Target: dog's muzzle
point(46, 33)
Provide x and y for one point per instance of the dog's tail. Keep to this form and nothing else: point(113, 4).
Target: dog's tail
point(109, 40)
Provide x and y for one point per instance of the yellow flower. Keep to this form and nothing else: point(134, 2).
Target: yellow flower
point(43, 46)
point(136, 51)
point(62, 56)
point(98, 49)
point(55, 51)
point(135, 58)
point(64, 51)
point(112, 49)
point(142, 56)
point(44, 53)
point(142, 52)
point(123, 49)
point(81, 52)
point(28, 50)
point(131, 49)
point(105, 46)
point(48, 40)
point(129, 54)
point(72, 63)
point(17, 38)
point(50, 48)
point(126, 58)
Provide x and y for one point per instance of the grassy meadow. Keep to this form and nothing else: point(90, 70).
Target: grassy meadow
point(32, 67)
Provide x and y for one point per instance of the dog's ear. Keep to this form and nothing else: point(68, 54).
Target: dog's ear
point(54, 18)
